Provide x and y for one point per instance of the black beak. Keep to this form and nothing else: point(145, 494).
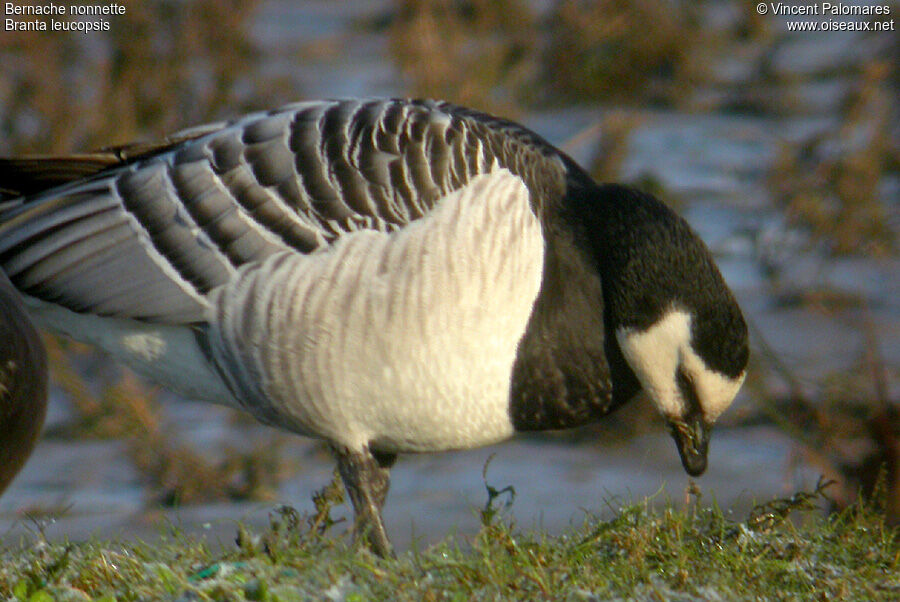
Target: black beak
point(692, 439)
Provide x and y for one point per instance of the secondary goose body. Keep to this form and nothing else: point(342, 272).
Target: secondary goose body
point(23, 384)
point(389, 275)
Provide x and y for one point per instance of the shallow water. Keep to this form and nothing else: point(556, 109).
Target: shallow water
point(431, 496)
point(715, 164)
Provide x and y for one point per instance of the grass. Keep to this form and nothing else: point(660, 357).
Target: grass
point(845, 425)
point(832, 184)
point(784, 549)
point(471, 53)
point(641, 51)
point(160, 67)
point(506, 55)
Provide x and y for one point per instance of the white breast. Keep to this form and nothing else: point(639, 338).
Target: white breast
point(405, 341)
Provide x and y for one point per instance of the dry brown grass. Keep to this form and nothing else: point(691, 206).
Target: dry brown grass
point(612, 150)
point(609, 51)
point(478, 53)
point(501, 56)
point(159, 67)
point(831, 184)
point(846, 426)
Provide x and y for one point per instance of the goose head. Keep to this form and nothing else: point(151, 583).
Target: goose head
point(677, 325)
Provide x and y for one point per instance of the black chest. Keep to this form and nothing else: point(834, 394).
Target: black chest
point(568, 370)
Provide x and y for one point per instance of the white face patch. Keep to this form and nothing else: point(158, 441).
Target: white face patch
point(655, 355)
point(714, 390)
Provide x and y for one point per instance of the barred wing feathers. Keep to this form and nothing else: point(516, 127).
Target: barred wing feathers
point(148, 232)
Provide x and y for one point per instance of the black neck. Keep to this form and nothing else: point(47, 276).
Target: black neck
point(569, 370)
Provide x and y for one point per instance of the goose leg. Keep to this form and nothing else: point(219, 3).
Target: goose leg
point(366, 476)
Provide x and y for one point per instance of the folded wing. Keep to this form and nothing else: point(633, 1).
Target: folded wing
point(147, 232)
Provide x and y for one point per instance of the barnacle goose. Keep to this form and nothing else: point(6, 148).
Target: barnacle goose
point(388, 275)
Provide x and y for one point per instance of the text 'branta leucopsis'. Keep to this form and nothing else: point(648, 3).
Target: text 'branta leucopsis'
point(389, 275)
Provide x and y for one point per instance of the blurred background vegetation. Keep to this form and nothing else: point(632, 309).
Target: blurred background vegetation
point(167, 65)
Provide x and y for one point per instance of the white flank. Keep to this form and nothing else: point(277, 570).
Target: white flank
point(405, 341)
point(655, 355)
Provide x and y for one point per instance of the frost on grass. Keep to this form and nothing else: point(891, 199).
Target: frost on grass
point(784, 549)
